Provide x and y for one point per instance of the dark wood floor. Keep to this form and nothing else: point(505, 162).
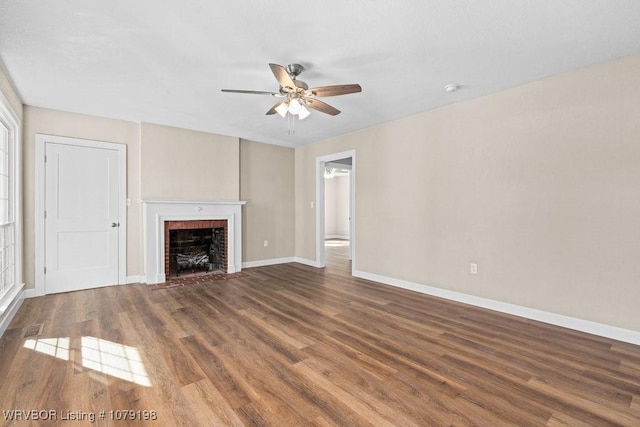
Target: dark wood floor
point(291, 345)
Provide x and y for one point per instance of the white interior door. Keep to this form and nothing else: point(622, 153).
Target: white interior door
point(81, 217)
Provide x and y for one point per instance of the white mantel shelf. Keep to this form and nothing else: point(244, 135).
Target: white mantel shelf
point(156, 212)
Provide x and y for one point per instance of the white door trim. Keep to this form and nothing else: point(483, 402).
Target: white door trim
point(320, 161)
point(41, 140)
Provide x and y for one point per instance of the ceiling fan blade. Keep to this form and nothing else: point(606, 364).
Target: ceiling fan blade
point(335, 90)
point(321, 106)
point(273, 109)
point(250, 92)
point(283, 77)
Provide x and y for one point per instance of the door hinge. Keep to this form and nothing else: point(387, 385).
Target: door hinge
point(45, 214)
point(45, 158)
point(45, 270)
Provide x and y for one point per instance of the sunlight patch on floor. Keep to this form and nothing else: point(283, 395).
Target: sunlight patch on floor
point(336, 243)
point(56, 347)
point(110, 358)
point(114, 359)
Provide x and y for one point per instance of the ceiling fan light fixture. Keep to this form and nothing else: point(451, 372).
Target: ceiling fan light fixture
point(282, 109)
point(303, 113)
point(294, 106)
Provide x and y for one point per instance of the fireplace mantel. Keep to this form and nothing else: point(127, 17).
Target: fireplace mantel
point(156, 212)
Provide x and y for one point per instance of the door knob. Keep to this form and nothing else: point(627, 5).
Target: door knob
point(115, 224)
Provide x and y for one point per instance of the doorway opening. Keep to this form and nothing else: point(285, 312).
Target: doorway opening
point(335, 202)
point(337, 215)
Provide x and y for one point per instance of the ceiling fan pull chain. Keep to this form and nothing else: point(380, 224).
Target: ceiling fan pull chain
point(291, 124)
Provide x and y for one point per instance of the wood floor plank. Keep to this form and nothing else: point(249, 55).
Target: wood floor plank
point(385, 397)
point(293, 345)
point(10, 345)
point(229, 381)
point(448, 386)
point(367, 363)
point(589, 406)
point(498, 392)
point(274, 331)
point(274, 380)
point(166, 396)
point(356, 405)
point(209, 406)
point(563, 420)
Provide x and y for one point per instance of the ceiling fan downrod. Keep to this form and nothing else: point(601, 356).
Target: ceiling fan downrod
point(294, 70)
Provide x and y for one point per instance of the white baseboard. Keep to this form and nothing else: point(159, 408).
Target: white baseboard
point(30, 293)
point(587, 326)
point(309, 262)
point(11, 309)
point(265, 262)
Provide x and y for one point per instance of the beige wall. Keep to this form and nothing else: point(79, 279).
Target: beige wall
point(60, 123)
point(181, 164)
point(539, 185)
point(266, 183)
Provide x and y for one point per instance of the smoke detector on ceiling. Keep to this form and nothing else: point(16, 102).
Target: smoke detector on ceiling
point(452, 87)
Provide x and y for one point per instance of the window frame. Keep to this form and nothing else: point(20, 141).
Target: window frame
point(12, 122)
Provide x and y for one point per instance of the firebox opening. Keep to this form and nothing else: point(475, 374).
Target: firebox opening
point(197, 250)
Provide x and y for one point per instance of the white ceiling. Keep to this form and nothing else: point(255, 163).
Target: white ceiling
point(166, 61)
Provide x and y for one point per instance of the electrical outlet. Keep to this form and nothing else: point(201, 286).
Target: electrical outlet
point(473, 268)
point(266, 243)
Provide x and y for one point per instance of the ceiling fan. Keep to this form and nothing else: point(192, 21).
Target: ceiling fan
point(296, 94)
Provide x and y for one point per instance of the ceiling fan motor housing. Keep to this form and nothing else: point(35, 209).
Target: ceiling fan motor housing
point(294, 70)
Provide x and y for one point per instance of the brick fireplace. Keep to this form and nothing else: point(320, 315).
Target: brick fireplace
point(195, 246)
point(161, 217)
